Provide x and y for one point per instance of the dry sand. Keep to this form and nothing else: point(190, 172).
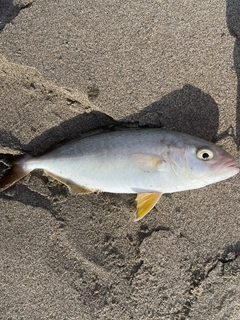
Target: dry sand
point(69, 66)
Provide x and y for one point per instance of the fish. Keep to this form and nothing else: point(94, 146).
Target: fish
point(147, 162)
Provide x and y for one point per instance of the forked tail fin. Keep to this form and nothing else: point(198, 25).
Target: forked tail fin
point(15, 173)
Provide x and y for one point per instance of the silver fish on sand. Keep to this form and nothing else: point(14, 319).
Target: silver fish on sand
point(148, 162)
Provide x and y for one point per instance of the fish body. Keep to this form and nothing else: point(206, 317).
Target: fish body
point(148, 162)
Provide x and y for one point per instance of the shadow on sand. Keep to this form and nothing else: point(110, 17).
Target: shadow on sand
point(187, 110)
point(9, 11)
point(233, 23)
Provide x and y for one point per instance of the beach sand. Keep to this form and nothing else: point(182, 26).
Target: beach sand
point(67, 67)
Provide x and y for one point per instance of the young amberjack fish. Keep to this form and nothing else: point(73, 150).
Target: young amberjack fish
point(148, 162)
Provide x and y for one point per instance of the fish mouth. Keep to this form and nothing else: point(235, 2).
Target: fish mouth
point(230, 168)
point(231, 164)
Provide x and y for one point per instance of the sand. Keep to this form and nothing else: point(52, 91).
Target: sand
point(67, 67)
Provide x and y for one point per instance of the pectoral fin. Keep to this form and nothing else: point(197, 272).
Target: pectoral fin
point(148, 161)
point(145, 202)
point(69, 184)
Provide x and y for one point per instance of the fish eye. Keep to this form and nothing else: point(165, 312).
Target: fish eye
point(204, 154)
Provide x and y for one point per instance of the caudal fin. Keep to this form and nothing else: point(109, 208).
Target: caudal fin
point(15, 173)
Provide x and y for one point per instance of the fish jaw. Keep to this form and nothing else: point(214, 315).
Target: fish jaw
point(227, 169)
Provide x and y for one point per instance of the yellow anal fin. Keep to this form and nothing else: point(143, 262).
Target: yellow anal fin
point(145, 202)
point(69, 183)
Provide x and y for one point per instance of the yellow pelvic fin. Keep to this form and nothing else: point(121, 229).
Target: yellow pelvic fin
point(69, 183)
point(145, 202)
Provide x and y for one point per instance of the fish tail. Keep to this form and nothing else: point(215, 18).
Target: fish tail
point(17, 171)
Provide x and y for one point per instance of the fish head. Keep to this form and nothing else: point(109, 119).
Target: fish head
point(208, 163)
